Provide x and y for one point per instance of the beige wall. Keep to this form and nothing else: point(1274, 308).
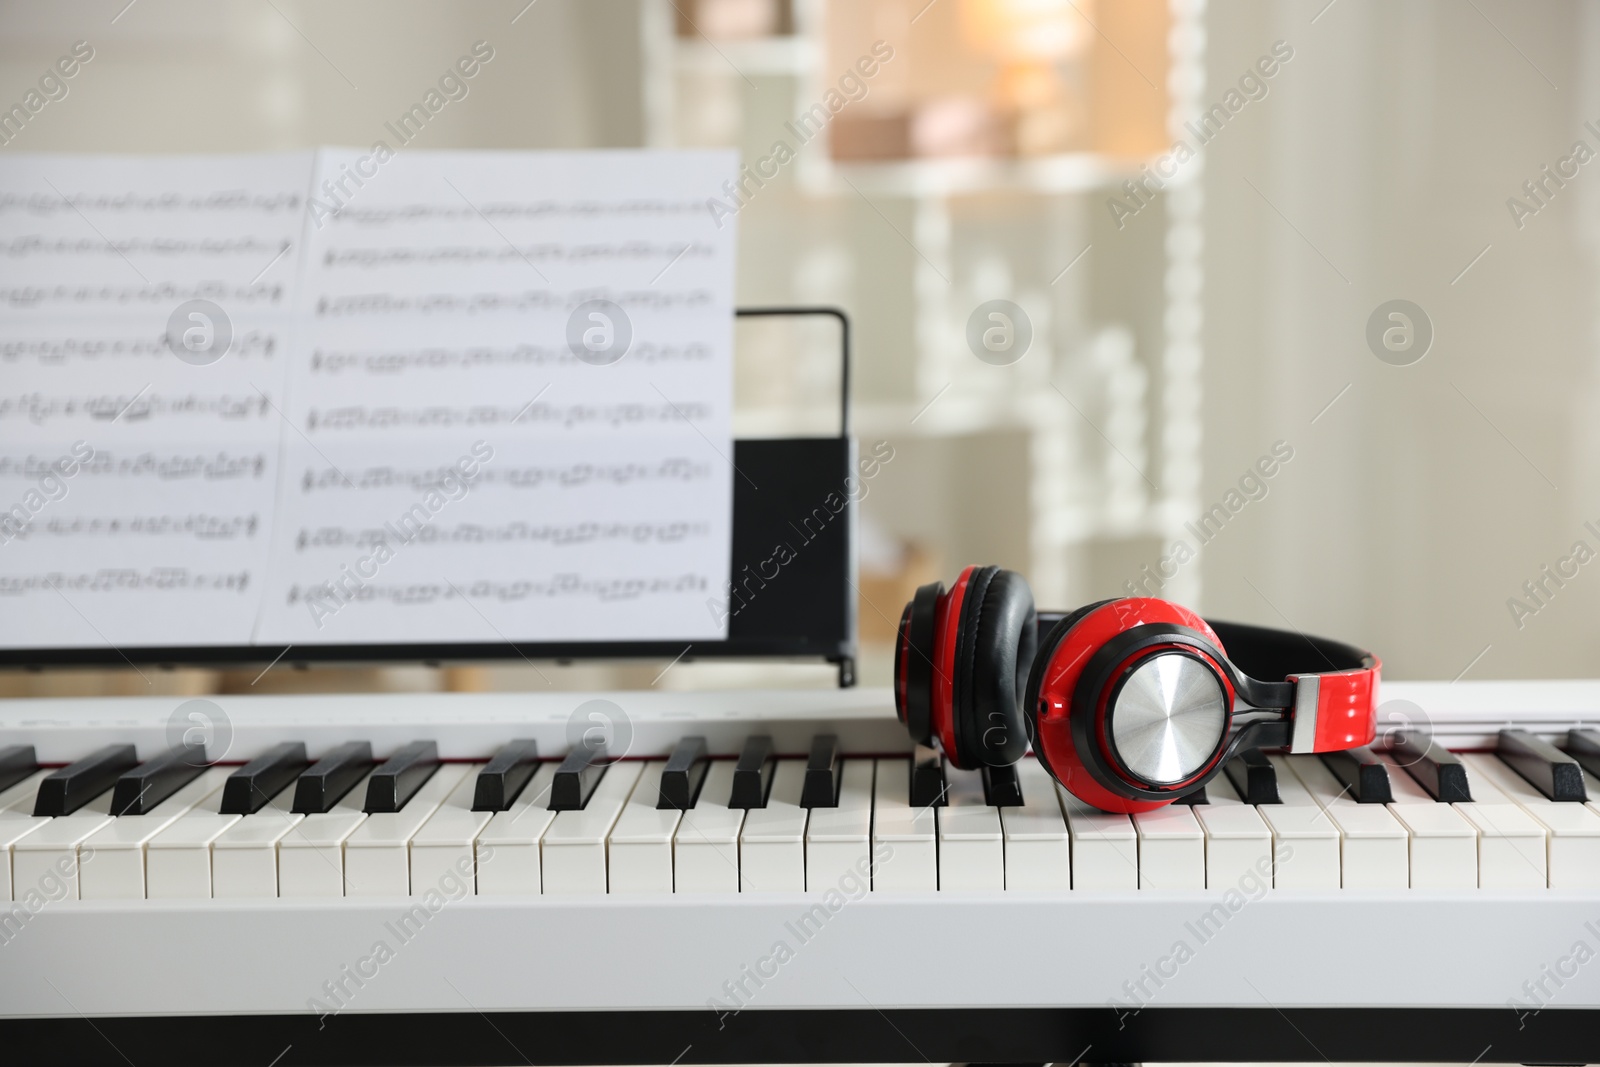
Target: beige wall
point(248, 75)
point(1428, 494)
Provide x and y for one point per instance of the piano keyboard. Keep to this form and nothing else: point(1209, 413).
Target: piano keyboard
point(370, 878)
point(741, 812)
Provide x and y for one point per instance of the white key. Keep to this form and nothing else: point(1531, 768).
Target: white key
point(1375, 848)
point(972, 850)
point(772, 844)
point(20, 798)
point(1172, 848)
point(50, 853)
point(575, 844)
point(1444, 845)
point(1238, 840)
point(1105, 846)
point(1305, 841)
point(311, 855)
point(507, 851)
point(641, 842)
point(1038, 848)
point(178, 859)
point(244, 855)
point(377, 855)
point(1511, 843)
point(1573, 845)
point(16, 822)
point(839, 839)
point(706, 849)
point(114, 855)
point(904, 845)
point(442, 851)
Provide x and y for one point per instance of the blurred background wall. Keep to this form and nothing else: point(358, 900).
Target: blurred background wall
point(1198, 208)
point(1420, 503)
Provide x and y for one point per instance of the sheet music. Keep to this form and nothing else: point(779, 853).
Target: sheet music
point(136, 488)
point(400, 444)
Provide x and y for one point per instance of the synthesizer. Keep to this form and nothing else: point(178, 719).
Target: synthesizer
point(781, 876)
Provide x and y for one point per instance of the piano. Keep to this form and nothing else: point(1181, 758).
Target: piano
point(778, 876)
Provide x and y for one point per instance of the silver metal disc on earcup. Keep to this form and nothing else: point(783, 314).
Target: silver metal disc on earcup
point(1167, 718)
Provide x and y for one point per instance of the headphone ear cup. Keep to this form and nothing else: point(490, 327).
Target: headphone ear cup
point(995, 644)
point(914, 662)
point(1047, 648)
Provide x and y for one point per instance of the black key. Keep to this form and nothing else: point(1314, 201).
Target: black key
point(399, 777)
point(752, 777)
point(1584, 746)
point(683, 775)
point(927, 779)
point(1434, 767)
point(248, 789)
point(331, 777)
point(1253, 775)
point(576, 778)
point(1547, 768)
point(1002, 787)
point(1365, 775)
point(155, 780)
point(16, 763)
point(65, 791)
point(504, 778)
point(1196, 797)
point(824, 774)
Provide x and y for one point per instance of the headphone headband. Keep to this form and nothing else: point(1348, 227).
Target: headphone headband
point(1272, 654)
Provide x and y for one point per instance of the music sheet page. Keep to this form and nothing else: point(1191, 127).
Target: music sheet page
point(137, 487)
point(430, 398)
point(514, 381)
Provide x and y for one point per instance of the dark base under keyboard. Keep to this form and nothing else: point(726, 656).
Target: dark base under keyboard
point(1043, 1035)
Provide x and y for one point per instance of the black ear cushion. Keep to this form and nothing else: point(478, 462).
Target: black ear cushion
point(921, 624)
point(1047, 648)
point(994, 646)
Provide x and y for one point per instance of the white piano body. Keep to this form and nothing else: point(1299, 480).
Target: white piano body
point(841, 972)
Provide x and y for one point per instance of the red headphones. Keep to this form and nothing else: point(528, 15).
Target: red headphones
point(1129, 703)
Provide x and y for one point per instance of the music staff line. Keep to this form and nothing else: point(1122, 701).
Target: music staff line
point(42, 204)
point(201, 527)
point(385, 303)
point(503, 211)
point(56, 351)
point(573, 476)
point(39, 410)
point(469, 359)
point(108, 579)
point(158, 294)
point(566, 416)
point(30, 245)
point(516, 531)
point(222, 466)
point(500, 255)
point(557, 586)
